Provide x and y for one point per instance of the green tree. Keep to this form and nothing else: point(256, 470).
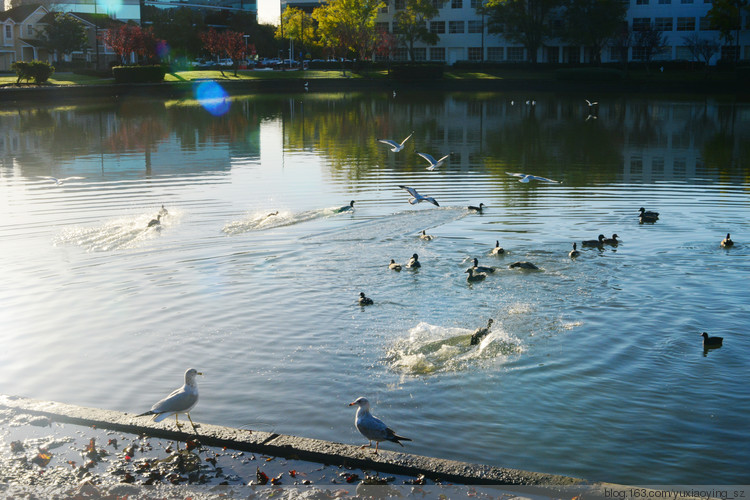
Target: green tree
point(725, 16)
point(411, 23)
point(178, 27)
point(593, 23)
point(349, 25)
point(64, 34)
point(298, 25)
point(521, 21)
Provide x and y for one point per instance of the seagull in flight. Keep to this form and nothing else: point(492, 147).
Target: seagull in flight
point(433, 163)
point(591, 104)
point(59, 182)
point(416, 197)
point(395, 146)
point(529, 177)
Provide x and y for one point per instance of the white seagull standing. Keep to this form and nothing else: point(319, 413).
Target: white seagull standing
point(433, 163)
point(181, 400)
point(395, 146)
point(416, 197)
point(529, 177)
point(373, 428)
point(60, 182)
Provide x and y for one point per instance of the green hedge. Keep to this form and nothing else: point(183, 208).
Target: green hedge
point(589, 74)
point(39, 71)
point(417, 71)
point(139, 74)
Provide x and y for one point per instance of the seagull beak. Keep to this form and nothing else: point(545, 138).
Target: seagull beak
point(352, 404)
point(199, 373)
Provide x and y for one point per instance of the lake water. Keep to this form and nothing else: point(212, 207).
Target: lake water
point(594, 367)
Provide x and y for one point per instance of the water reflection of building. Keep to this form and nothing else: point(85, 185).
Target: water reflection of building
point(131, 139)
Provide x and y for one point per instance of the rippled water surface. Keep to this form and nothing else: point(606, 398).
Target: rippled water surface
point(593, 367)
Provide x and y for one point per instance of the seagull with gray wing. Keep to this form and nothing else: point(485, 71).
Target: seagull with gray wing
point(395, 146)
point(182, 400)
point(417, 198)
point(372, 427)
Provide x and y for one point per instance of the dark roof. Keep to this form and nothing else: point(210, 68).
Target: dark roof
point(20, 13)
point(33, 42)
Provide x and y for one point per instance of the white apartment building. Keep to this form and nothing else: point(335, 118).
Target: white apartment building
point(464, 36)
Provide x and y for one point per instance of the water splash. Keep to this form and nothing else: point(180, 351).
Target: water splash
point(122, 233)
point(432, 349)
point(259, 221)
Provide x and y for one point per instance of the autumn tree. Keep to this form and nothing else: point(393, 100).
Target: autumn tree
point(225, 44)
point(386, 45)
point(132, 39)
point(593, 23)
point(64, 34)
point(411, 23)
point(522, 21)
point(349, 25)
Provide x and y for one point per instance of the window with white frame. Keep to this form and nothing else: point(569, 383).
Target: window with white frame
point(457, 4)
point(382, 26)
point(29, 30)
point(475, 4)
point(495, 53)
point(639, 53)
point(683, 53)
point(665, 2)
point(437, 27)
point(663, 24)
point(8, 32)
point(437, 53)
point(686, 1)
point(475, 53)
point(475, 26)
point(420, 54)
point(614, 53)
point(396, 29)
point(401, 54)
point(705, 24)
point(456, 27)
point(641, 23)
point(399, 4)
point(515, 54)
point(641, 2)
point(685, 24)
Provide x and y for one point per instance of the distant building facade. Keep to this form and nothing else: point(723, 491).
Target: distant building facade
point(464, 36)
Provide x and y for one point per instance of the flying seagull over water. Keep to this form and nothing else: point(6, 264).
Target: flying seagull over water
point(181, 400)
point(372, 427)
point(529, 177)
point(60, 182)
point(433, 163)
point(416, 197)
point(395, 146)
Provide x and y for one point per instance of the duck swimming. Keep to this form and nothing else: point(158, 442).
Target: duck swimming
point(594, 243)
point(163, 211)
point(574, 253)
point(648, 213)
point(364, 301)
point(498, 249)
point(394, 266)
point(473, 276)
point(476, 209)
point(155, 222)
point(727, 242)
point(479, 333)
point(425, 236)
point(345, 208)
point(414, 262)
point(611, 241)
point(481, 269)
point(711, 341)
point(523, 265)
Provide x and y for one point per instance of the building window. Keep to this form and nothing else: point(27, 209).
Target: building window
point(663, 24)
point(515, 54)
point(641, 23)
point(614, 53)
point(729, 52)
point(437, 4)
point(475, 26)
point(384, 10)
point(399, 4)
point(8, 31)
point(457, 4)
point(641, 2)
point(683, 54)
point(456, 27)
point(495, 53)
point(685, 24)
point(705, 24)
point(382, 27)
point(639, 53)
point(553, 54)
point(401, 54)
point(437, 27)
point(475, 53)
point(437, 53)
point(708, 1)
point(420, 54)
point(665, 2)
point(686, 1)
point(29, 30)
point(571, 55)
point(475, 4)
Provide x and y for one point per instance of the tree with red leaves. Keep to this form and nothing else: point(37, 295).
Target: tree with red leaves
point(131, 39)
point(226, 43)
point(386, 45)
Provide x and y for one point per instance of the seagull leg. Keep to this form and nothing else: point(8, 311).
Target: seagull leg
point(191, 423)
point(368, 445)
point(376, 446)
point(179, 425)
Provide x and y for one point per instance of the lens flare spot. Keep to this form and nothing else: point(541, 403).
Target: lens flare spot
point(212, 97)
point(162, 49)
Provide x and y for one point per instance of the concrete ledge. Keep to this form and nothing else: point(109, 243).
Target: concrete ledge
point(292, 447)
